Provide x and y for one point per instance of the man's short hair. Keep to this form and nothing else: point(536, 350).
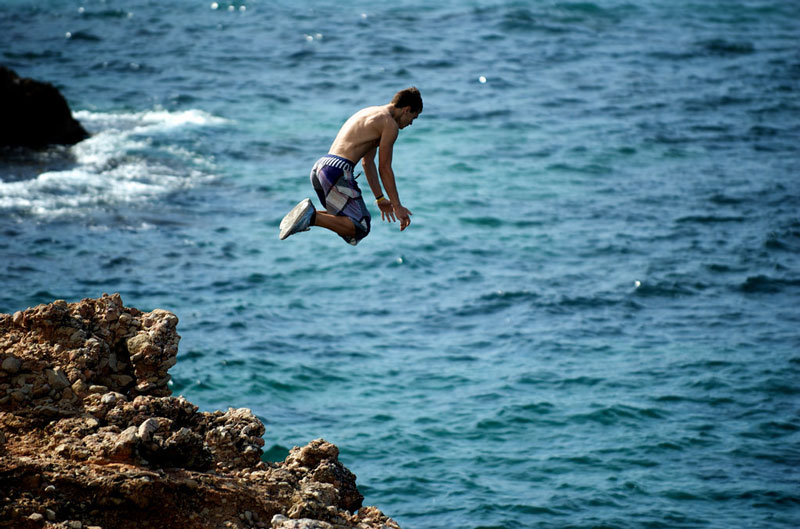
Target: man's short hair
point(410, 97)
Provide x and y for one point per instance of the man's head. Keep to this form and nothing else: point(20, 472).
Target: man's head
point(410, 97)
point(409, 103)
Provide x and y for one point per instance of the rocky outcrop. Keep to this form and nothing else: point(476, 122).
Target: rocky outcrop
point(91, 437)
point(34, 114)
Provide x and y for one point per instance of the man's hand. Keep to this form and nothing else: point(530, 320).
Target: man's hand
point(404, 215)
point(387, 211)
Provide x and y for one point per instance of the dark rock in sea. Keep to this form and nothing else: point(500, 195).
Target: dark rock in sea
point(91, 436)
point(34, 114)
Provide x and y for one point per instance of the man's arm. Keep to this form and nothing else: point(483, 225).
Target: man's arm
point(368, 164)
point(386, 149)
point(388, 137)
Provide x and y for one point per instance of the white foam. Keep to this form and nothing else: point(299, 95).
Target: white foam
point(149, 118)
point(126, 160)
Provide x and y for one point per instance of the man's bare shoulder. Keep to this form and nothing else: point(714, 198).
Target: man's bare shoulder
point(363, 131)
point(373, 115)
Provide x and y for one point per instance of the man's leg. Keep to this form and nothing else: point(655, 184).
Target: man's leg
point(341, 225)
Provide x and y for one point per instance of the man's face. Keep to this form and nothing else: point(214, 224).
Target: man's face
point(407, 117)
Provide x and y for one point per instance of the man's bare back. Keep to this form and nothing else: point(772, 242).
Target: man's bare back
point(362, 132)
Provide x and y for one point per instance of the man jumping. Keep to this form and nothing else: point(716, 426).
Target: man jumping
point(365, 132)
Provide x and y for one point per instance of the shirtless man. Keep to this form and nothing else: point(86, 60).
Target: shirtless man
point(367, 131)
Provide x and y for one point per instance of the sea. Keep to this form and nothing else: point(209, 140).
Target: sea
point(593, 320)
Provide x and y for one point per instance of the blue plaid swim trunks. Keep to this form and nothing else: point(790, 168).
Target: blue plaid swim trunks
point(332, 178)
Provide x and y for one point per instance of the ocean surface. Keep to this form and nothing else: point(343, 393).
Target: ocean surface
point(594, 317)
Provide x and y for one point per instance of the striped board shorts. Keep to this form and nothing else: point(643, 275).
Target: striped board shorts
point(332, 178)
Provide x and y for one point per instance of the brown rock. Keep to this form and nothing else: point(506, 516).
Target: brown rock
point(90, 434)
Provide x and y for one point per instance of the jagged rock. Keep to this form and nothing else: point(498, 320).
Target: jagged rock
point(35, 114)
point(317, 462)
point(90, 436)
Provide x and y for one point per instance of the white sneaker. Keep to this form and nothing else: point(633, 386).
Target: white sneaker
point(299, 219)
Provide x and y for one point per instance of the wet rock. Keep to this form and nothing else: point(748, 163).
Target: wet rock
point(35, 114)
point(90, 434)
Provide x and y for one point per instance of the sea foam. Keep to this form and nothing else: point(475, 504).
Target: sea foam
point(130, 157)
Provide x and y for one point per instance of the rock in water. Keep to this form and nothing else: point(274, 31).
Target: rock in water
point(34, 114)
point(91, 436)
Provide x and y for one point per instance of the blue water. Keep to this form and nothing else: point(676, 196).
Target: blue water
point(593, 319)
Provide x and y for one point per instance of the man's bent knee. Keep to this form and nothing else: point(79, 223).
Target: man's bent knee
point(361, 228)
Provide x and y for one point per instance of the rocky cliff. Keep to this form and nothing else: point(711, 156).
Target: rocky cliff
point(91, 437)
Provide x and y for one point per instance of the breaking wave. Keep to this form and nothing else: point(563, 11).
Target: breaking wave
point(130, 157)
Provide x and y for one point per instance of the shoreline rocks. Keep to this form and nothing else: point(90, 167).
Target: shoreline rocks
point(91, 436)
point(35, 114)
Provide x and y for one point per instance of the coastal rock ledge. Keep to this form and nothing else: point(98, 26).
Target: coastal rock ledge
point(91, 436)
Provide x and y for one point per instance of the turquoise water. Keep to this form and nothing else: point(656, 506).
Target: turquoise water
point(592, 320)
